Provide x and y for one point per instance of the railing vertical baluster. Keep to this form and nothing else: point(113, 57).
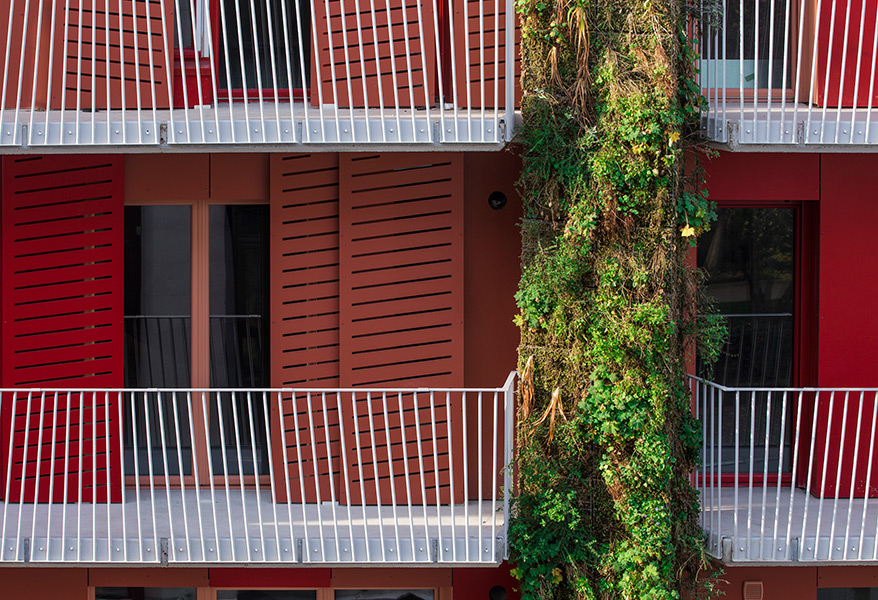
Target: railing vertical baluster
point(139, 505)
point(752, 461)
point(33, 93)
point(343, 457)
point(54, 429)
point(719, 474)
point(181, 474)
point(244, 85)
point(408, 62)
point(856, 102)
point(794, 472)
point(826, 74)
point(221, 425)
point(21, 62)
point(844, 55)
point(164, 449)
point(465, 434)
point(765, 454)
point(824, 468)
point(453, 61)
point(313, 433)
point(300, 465)
point(315, 50)
point(755, 68)
point(871, 91)
point(711, 453)
point(256, 45)
point(9, 469)
point(390, 467)
point(435, 443)
point(356, 422)
point(94, 475)
point(240, 458)
point(784, 73)
point(811, 453)
point(423, 475)
point(137, 76)
point(868, 487)
point(494, 483)
point(481, 69)
point(288, 61)
point(783, 417)
point(408, 480)
point(496, 69)
point(273, 75)
point(858, 429)
point(5, 78)
point(151, 475)
point(253, 445)
point(24, 450)
point(737, 482)
point(332, 495)
point(107, 454)
point(377, 480)
point(229, 86)
point(288, 490)
point(266, 416)
point(33, 531)
point(195, 52)
point(395, 79)
point(195, 474)
point(453, 498)
point(510, 68)
point(844, 420)
point(123, 517)
point(425, 68)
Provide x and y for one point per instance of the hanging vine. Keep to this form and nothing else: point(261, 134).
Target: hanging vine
point(607, 304)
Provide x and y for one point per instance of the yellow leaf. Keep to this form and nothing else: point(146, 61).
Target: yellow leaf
point(688, 231)
point(556, 575)
point(674, 137)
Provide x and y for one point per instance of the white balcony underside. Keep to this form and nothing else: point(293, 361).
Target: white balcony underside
point(258, 126)
point(261, 531)
point(827, 530)
point(790, 126)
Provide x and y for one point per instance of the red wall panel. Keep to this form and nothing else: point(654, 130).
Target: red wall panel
point(62, 309)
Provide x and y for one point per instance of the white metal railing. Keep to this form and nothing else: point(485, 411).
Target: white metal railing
point(788, 72)
point(255, 476)
point(787, 473)
point(145, 74)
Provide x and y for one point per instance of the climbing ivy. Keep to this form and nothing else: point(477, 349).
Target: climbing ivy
point(607, 441)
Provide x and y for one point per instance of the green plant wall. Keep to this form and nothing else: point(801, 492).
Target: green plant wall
point(607, 440)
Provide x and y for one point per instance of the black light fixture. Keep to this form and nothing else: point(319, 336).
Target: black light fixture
point(498, 592)
point(497, 200)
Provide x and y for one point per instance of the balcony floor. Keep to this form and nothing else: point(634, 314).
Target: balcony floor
point(789, 124)
point(784, 529)
point(194, 527)
point(253, 125)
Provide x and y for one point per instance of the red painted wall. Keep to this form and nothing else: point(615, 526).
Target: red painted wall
point(778, 582)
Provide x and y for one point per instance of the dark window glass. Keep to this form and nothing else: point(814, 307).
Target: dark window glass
point(847, 594)
point(158, 304)
point(267, 17)
point(384, 595)
point(266, 595)
point(158, 296)
point(138, 593)
point(748, 260)
point(239, 335)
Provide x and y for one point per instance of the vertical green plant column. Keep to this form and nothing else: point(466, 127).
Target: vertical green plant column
point(607, 440)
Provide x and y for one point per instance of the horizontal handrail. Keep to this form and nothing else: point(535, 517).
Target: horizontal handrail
point(786, 473)
point(411, 475)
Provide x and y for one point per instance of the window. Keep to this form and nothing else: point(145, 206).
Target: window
point(196, 315)
point(144, 593)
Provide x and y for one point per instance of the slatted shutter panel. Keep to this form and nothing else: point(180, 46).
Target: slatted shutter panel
point(304, 313)
point(401, 315)
point(396, 40)
point(472, 50)
point(133, 58)
point(62, 304)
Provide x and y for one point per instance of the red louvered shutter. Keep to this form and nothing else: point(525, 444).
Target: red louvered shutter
point(304, 312)
point(62, 304)
point(476, 59)
point(135, 59)
point(401, 310)
point(397, 39)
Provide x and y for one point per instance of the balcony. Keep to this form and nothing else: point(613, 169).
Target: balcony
point(796, 75)
point(192, 75)
point(181, 477)
point(787, 473)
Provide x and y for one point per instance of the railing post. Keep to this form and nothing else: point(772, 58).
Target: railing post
point(510, 77)
point(509, 420)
